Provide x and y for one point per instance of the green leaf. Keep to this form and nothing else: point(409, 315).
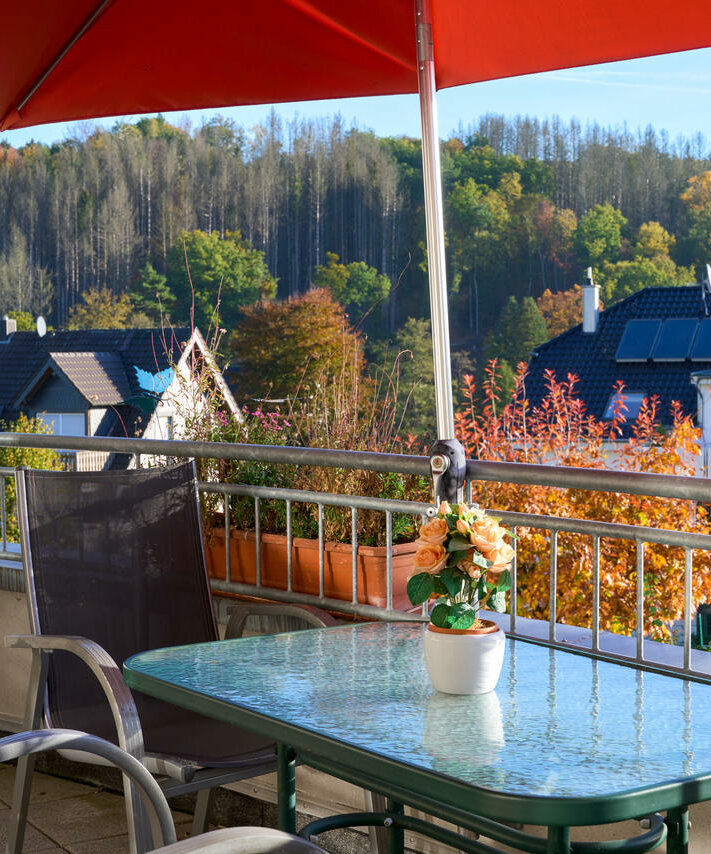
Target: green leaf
point(504, 581)
point(497, 602)
point(481, 587)
point(420, 587)
point(455, 557)
point(439, 588)
point(461, 616)
point(458, 543)
point(452, 580)
point(439, 615)
point(479, 560)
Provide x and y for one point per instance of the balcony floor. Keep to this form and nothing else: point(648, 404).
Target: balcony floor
point(72, 817)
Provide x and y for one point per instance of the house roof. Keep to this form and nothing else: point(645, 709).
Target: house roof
point(99, 362)
point(592, 357)
point(99, 377)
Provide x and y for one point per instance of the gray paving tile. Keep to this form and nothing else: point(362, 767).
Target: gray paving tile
point(35, 840)
point(97, 816)
point(44, 787)
point(112, 845)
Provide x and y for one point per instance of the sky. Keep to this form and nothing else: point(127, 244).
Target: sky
point(670, 92)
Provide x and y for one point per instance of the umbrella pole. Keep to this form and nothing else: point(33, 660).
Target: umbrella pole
point(432, 175)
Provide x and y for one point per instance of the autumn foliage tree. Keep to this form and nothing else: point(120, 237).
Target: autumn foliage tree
point(101, 309)
point(561, 310)
point(282, 349)
point(559, 431)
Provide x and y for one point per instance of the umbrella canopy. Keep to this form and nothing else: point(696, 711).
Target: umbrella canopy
point(81, 59)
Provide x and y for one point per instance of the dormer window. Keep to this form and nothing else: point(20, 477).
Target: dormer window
point(628, 403)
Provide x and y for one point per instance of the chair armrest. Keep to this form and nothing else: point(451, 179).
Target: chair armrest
point(108, 675)
point(36, 741)
point(300, 617)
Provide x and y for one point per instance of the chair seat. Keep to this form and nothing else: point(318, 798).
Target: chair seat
point(242, 840)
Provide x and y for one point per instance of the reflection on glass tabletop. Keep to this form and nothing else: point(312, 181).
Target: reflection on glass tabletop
point(558, 724)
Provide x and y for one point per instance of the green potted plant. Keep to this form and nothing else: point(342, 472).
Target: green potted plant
point(262, 428)
point(462, 562)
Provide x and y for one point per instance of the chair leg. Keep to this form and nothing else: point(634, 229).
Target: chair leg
point(26, 764)
point(202, 811)
point(20, 804)
point(375, 802)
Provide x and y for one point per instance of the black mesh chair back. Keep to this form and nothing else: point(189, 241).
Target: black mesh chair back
point(117, 557)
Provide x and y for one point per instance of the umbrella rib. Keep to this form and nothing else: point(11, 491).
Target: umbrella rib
point(331, 23)
point(100, 9)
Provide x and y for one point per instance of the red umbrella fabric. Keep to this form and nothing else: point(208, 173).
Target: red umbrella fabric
point(81, 59)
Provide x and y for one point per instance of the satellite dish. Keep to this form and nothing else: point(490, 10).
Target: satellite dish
point(41, 326)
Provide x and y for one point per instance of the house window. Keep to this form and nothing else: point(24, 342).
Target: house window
point(631, 404)
point(165, 426)
point(65, 423)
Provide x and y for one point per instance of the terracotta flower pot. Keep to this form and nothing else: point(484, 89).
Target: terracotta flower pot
point(464, 661)
point(337, 566)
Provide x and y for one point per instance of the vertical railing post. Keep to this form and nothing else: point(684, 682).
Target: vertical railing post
point(513, 594)
point(289, 541)
point(321, 546)
point(552, 609)
point(228, 544)
point(389, 559)
point(596, 594)
point(354, 554)
point(688, 563)
point(258, 540)
point(640, 601)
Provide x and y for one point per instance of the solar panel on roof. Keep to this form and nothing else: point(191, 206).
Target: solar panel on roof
point(675, 339)
point(702, 346)
point(637, 340)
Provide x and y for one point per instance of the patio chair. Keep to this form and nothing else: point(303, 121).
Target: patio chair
point(234, 840)
point(114, 564)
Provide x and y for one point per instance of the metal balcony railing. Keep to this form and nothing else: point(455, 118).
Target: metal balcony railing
point(641, 651)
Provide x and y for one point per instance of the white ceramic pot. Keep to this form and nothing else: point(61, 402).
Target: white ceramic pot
point(464, 662)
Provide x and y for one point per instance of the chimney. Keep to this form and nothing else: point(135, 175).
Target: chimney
point(591, 303)
point(7, 327)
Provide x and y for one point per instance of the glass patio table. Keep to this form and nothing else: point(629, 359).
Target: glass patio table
point(565, 739)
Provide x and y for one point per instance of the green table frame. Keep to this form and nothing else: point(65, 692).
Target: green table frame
point(241, 682)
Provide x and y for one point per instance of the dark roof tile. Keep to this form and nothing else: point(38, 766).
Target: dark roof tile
point(591, 357)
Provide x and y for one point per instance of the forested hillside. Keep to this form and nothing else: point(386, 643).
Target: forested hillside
point(529, 204)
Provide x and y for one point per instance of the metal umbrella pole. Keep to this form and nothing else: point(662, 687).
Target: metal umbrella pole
point(434, 221)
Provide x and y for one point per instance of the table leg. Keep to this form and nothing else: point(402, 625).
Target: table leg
point(558, 840)
point(286, 788)
point(396, 835)
point(678, 831)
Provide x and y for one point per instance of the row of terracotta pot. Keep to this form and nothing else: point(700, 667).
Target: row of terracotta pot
point(337, 566)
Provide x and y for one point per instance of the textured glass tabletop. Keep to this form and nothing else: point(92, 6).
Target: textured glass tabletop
point(558, 724)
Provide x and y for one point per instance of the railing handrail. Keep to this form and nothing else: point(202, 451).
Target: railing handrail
point(563, 477)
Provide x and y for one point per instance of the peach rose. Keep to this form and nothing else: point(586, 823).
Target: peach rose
point(462, 527)
point(485, 534)
point(444, 509)
point(430, 557)
point(500, 558)
point(462, 509)
point(471, 569)
point(434, 531)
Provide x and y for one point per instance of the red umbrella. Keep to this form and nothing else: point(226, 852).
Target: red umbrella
point(81, 59)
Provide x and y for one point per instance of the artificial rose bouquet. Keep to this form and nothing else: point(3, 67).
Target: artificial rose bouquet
point(463, 560)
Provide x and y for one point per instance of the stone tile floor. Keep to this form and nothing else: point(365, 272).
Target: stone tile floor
point(72, 817)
